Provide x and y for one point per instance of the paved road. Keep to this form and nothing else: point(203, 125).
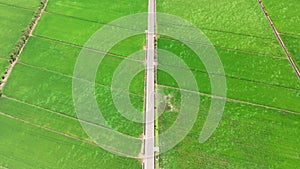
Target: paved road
point(149, 161)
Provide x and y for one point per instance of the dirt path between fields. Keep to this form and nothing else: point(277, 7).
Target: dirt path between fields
point(12, 65)
point(279, 39)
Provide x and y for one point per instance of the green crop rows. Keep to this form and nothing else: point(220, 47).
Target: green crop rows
point(285, 15)
point(247, 136)
point(13, 21)
point(257, 72)
point(37, 100)
point(260, 124)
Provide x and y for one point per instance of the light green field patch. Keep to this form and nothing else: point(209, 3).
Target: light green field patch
point(224, 23)
point(26, 146)
point(77, 32)
point(31, 4)
point(293, 45)
point(285, 15)
point(13, 21)
point(61, 58)
point(239, 65)
point(99, 11)
point(246, 136)
point(66, 29)
point(54, 92)
point(244, 90)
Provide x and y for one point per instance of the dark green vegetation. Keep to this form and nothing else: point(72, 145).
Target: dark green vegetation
point(260, 123)
point(37, 104)
point(3, 65)
point(285, 15)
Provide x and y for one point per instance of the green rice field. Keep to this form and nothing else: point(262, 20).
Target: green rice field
point(260, 126)
point(257, 72)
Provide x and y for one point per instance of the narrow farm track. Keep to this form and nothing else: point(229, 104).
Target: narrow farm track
point(279, 39)
point(67, 116)
point(12, 65)
point(230, 99)
point(89, 49)
point(230, 49)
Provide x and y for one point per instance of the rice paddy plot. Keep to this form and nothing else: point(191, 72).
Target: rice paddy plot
point(13, 21)
point(98, 11)
point(293, 45)
point(240, 65)
point(247, 135)
point(22, 144)
point(285, 15)
point(253, 92)
point(54, 92)
point(74, 31)
point(225, 25)
point(30, 4)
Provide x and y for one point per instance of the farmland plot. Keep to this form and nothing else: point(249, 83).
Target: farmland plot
point(98, 11)
point(225, 25)
point(26, 146)
point(40, 86)
point(262, 87)
point(239, 65)
point(246, 136)
point(13, 21)
point(285, 15)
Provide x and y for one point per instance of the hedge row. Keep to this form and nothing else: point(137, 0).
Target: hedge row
point(24, 37)
point(25, 33)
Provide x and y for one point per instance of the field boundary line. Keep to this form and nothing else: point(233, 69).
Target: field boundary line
point(12, 65)
point(88, 48)
point(290, 35)
point(279, 39)
point(70, 76)
point(58, 132)
point(218, 30)
point(87, 20)
point(20, 7)
point(45, 128)
point(233, 77)
point(229, 49)
point(231, 100)
point(66, 116)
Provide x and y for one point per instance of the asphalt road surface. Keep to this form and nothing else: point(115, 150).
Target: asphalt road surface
point(149, 160)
